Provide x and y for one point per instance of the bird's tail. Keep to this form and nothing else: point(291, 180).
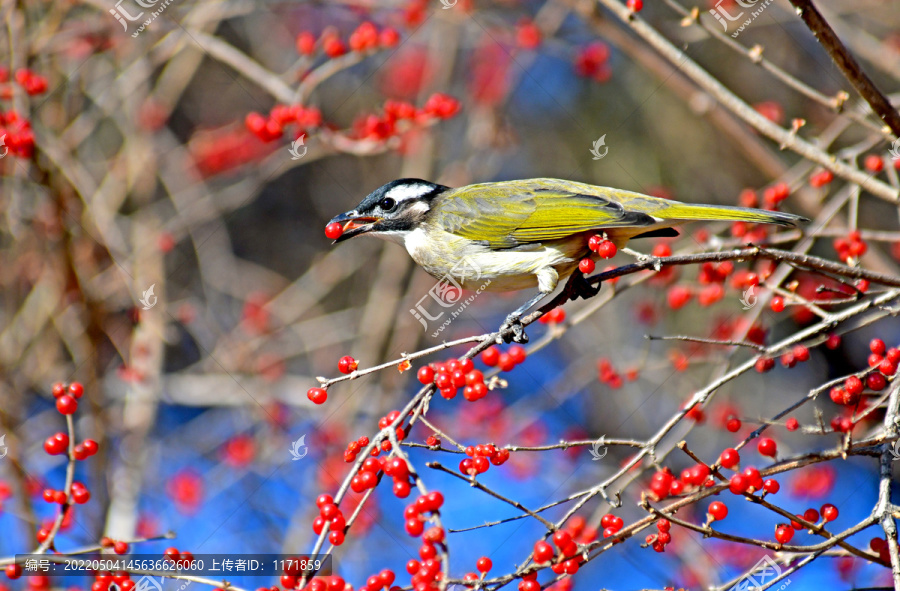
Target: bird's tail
point(690, 211)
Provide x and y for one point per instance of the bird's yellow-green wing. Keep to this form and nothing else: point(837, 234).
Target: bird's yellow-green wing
point(509, 214)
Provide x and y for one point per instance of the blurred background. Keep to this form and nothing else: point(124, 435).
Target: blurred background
point(164, 194)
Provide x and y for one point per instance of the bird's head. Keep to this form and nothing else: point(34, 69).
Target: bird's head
point(390, 211)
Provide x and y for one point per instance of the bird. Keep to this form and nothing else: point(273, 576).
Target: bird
point(520, 234)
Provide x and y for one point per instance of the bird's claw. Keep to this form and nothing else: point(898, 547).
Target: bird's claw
point(578, 287)
point(513, 330)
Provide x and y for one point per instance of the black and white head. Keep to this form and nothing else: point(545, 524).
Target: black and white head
point(390, 211)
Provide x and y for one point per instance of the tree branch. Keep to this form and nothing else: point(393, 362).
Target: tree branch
point(848, 65)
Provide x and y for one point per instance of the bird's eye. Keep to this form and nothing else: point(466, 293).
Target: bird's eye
point(387, 204)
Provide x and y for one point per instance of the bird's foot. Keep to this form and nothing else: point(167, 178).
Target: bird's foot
point(578, 287)
point(513, 329)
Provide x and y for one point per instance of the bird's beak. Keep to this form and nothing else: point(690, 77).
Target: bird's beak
point(354, 224)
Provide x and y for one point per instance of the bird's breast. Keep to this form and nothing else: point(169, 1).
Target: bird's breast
point(477, 267)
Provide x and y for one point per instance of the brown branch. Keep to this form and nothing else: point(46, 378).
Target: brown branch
point(848, 65)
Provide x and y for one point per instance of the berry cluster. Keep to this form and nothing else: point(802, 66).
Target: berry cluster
point(354, 447)
point(850, 247)
point(331, 515)
point(506, 361)
point(291, 580)
point(609, 376)
point(104, 581)
point(271, 128)
point(554, 316)
point(365, 38)
point(820, 178)
point(416, 515)
point(32, 83)
point(880, 547)
point(883, 363)
point(67, 397)
point(19, 137)
point(604, 248)
point(80, 495)
point(664, 484)
point(449, 377)
point(176, 556)
point(662, 538)
point(481, 457)
point(567, 540)
point(400, 116)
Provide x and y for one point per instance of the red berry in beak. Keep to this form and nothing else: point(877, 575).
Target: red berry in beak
point(334, 230)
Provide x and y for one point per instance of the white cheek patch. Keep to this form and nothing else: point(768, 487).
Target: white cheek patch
point(406, 192)
point(418, 210)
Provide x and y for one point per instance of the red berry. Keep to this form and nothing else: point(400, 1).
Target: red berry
point(792, 424)
point(336, 537)
point(528, 35)
point(76, 389)
point(543, 552)
point(334, 47)
point(739, 484)
point(389, 37)
point(718, 510)
point(81, 495)
point(517, 354)
point(433, 501)
point(764, 364)
point(874, 163)
point(425, 375)
point(829, 512)
point(876, 382)
point(347, 364)
point(635, 5)
point(730, 458)
point(771, 486)
point(586, 266)
point(877, 346)
point(306, 43)
point(606, 250)
point(733, 424)
point(777, 304)
point(56, 444)
point(58, 389)
point(334, 230)
point(484, 564)
point(767, 447)
point(678, 296)
point(317, 395)
point(853, 385)
point(561, 538)
point(66, 404)
point(120, 547)
point(13, 571)
point(490, 356)
point(784, 533)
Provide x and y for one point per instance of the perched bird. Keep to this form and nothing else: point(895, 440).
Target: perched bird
point(520, 234)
